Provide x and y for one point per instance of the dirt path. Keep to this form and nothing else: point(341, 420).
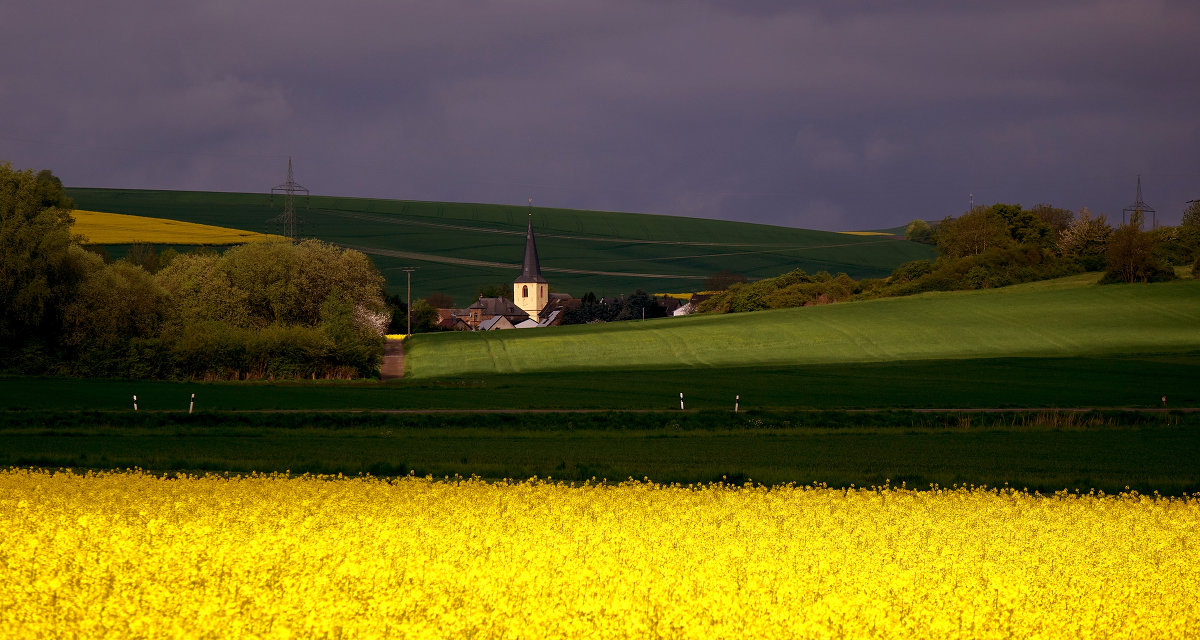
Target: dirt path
point(393, 360)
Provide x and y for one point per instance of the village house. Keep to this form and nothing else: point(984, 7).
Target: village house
point(487, 313)
point(692, 304)
point(532, 305)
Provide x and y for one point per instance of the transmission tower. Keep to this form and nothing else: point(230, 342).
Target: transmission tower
point(1140, 206)
point(287, 222)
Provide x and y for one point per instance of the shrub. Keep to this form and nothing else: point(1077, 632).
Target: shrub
point(1131, 256)
point(910, 271)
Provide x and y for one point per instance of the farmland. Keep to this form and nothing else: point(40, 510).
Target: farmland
point(1046, 450)
point(135, 555)
point(457, 247)
point(99, 227)
point(1063, 343)
point(1054, 345)
point(451, 541)
point(1070, 317)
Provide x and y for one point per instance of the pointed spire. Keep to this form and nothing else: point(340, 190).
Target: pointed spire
point(531, 270)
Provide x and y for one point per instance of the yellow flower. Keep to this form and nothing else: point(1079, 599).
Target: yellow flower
point(272, 556)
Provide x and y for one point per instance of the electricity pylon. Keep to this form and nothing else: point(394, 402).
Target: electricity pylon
point(288, 222)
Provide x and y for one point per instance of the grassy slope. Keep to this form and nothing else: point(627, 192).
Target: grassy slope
point(1061, 343)
point(392, 231)
point(1063, 318)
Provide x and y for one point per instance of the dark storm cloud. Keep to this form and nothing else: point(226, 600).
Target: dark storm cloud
point(828, 115)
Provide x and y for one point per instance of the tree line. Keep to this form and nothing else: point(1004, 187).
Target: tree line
point(269, 310)
point(993, 246)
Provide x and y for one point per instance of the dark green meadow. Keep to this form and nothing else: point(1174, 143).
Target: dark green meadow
point(836, 424)
point(1044, 451)
point(458, 246)
point(1102, 381)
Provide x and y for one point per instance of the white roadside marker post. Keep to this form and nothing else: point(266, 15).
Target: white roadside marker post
point(736, 400)
point(135, 403)
point(681, 401)
point(191, 404)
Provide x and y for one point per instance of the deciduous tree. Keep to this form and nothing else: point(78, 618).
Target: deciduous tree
point(1058, 219)
point(1131, 255)
point(35, 274)
point(972, 233)
point(1191, 215)
point(114, 303)
point(919, 231)
point(1086, 240)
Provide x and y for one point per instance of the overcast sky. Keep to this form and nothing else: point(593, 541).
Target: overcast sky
point(831, 115)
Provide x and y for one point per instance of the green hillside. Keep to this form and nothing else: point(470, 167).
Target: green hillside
point(1070, 317)
point(458, 247)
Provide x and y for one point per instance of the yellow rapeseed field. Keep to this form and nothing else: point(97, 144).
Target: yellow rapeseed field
point(130, 555)
point(117, 228)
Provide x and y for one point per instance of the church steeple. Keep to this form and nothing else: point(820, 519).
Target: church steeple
point(531, 270)
point(530, 290)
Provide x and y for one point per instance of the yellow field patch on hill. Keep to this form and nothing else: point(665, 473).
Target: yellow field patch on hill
point(117, 228)
point(865, 233)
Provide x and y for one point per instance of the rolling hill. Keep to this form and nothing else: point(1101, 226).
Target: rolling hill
point(458, 247)
point(1069, 317)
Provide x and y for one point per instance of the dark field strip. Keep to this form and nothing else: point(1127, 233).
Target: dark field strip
point(1137, 381)
point(1046, 451)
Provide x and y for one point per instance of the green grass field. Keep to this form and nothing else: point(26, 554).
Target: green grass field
point(1056, 345)
point(1066, 318)
point(1062, 343)
point(1100, 381)
point(1044, 452)
point(458, 247)
point(801, 375)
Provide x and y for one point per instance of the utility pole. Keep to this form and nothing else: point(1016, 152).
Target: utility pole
point(408, 305)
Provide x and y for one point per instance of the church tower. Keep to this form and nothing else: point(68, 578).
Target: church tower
point(530, 291)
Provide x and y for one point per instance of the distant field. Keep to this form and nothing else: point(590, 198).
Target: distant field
point(1064, 318)
point(457, 247)
point(119, 229)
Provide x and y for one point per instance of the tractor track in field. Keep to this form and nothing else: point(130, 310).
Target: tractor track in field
point(768, 247)
point(429, 257)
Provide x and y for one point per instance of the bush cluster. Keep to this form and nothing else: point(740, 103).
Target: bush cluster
point(271, 310)
point(988, 247)
point(635, 306)
point(793, 289)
